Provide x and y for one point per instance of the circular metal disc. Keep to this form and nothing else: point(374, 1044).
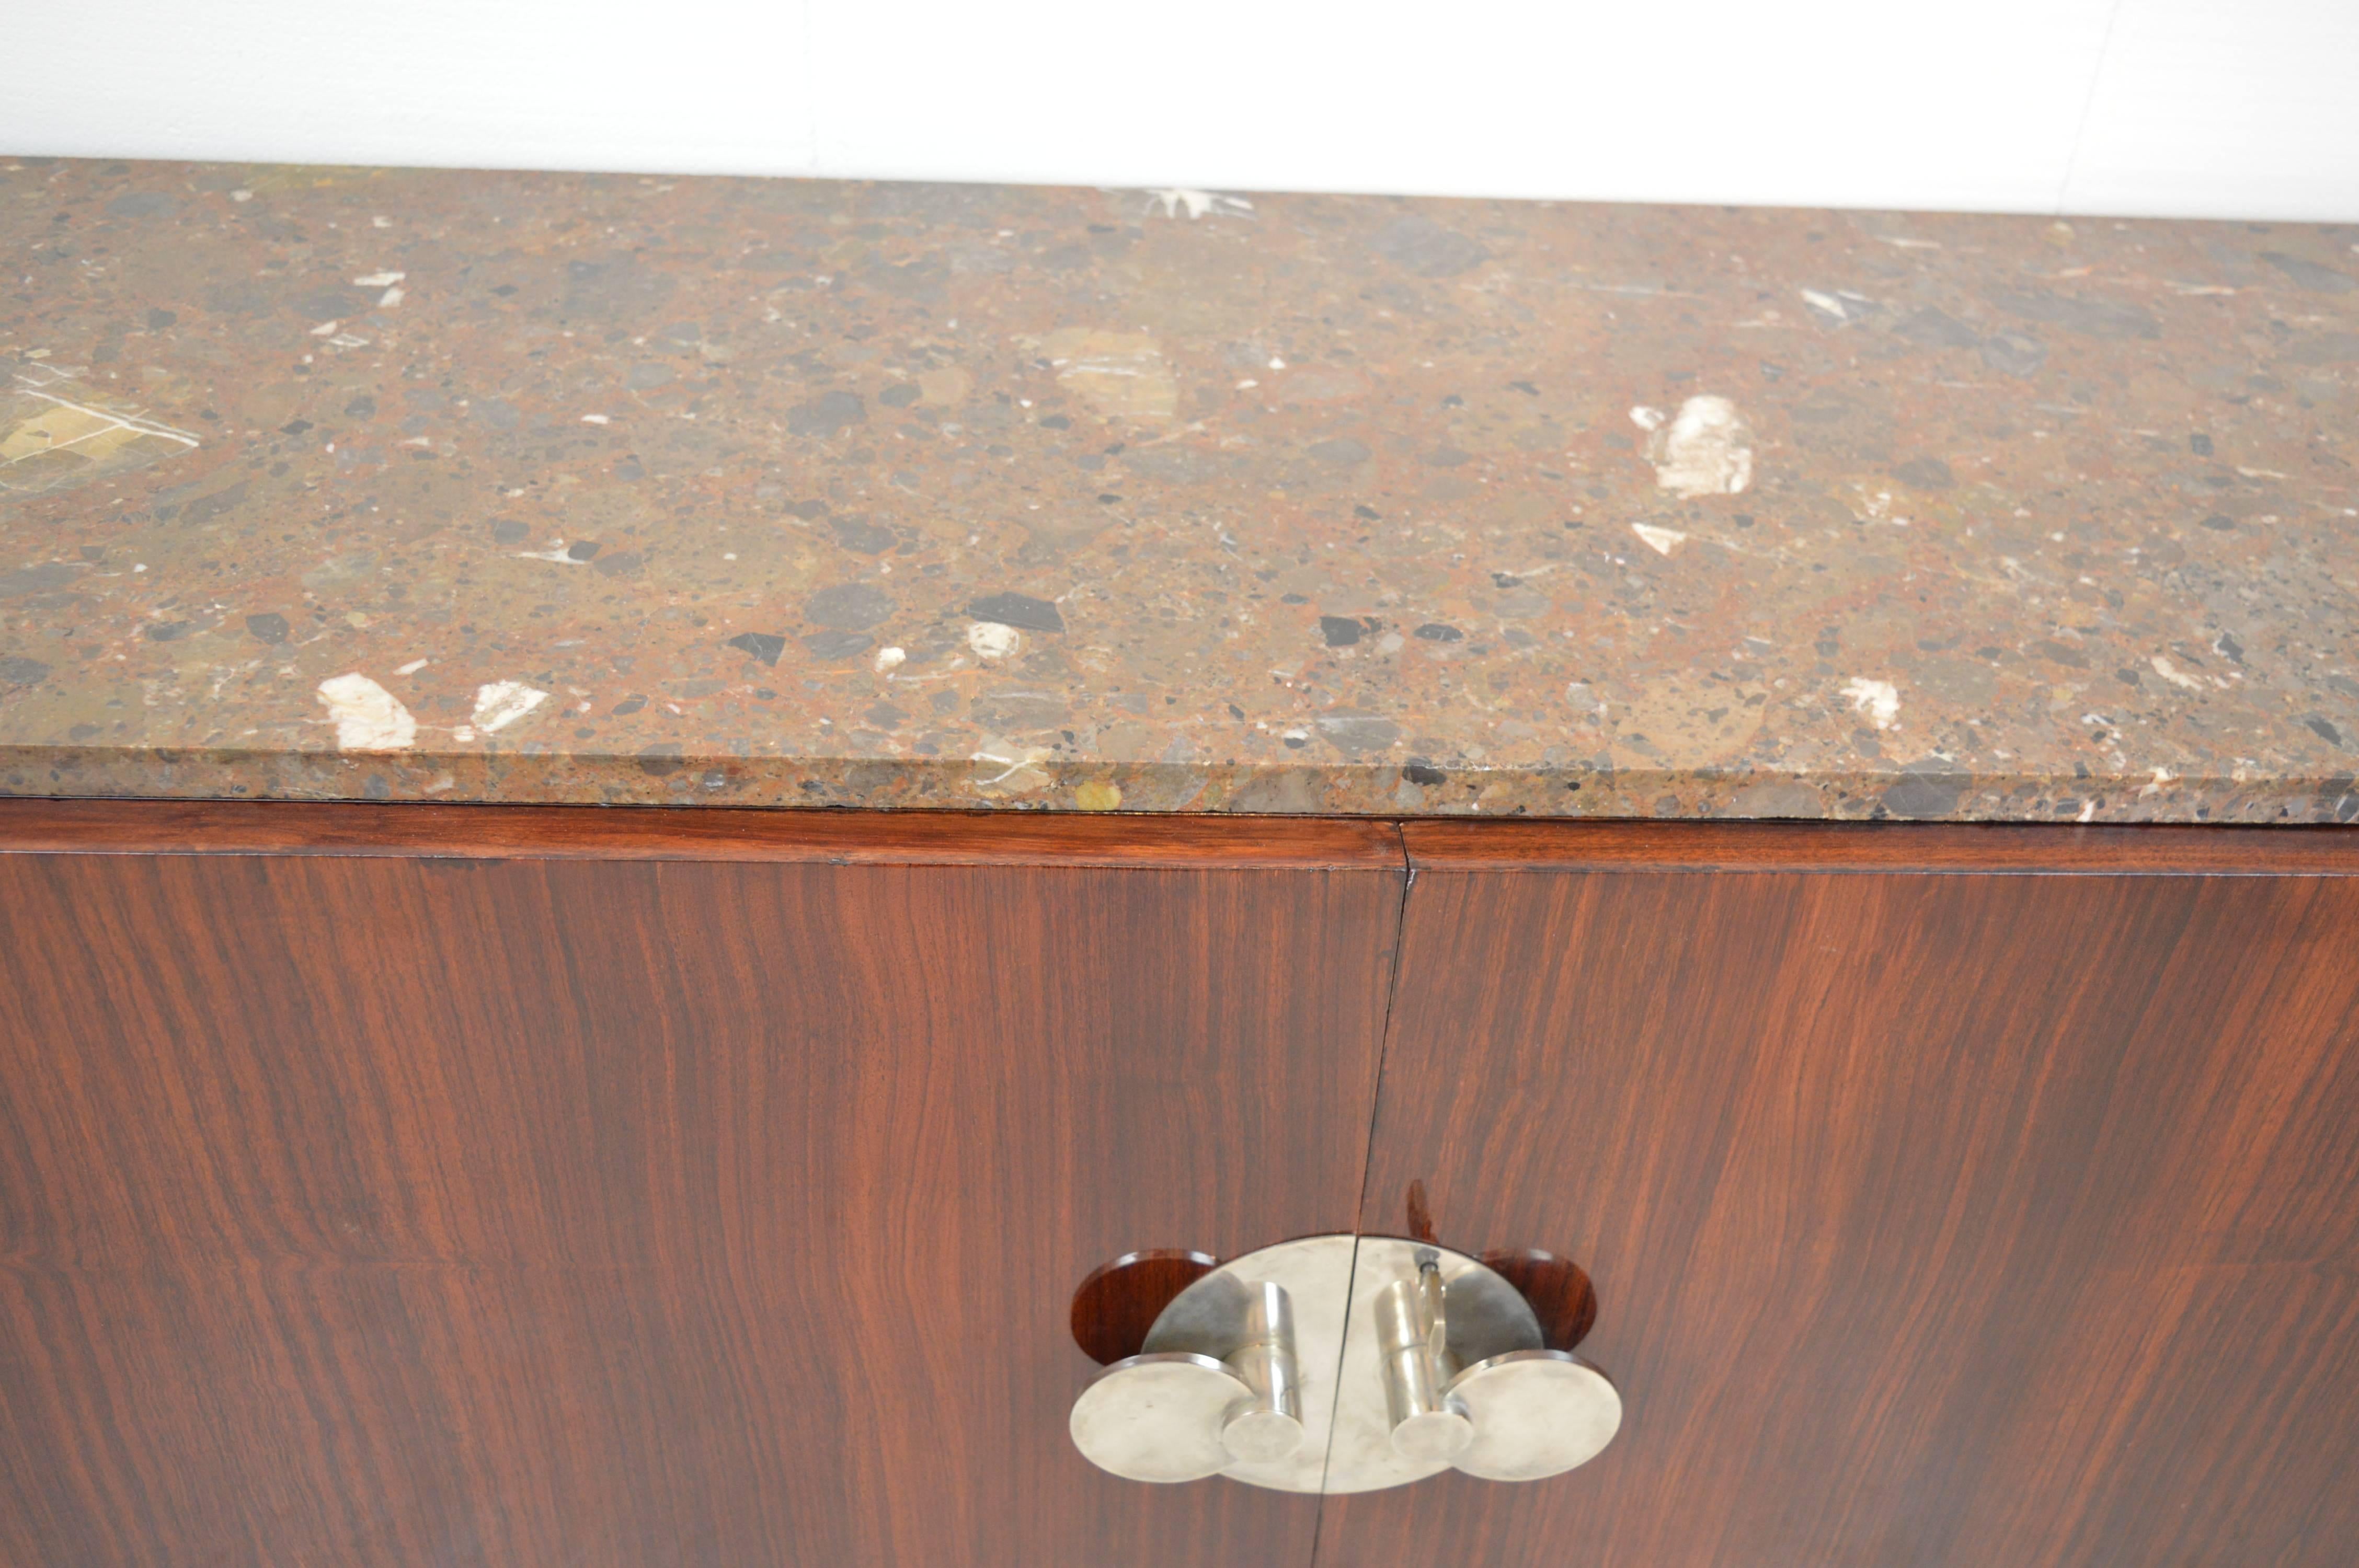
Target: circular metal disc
point(1536, 1412)
point(1157, 1417)
point(1436, 1437)
point(1262, 1437)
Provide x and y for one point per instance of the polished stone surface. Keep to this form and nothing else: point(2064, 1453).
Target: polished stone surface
point(326, 483)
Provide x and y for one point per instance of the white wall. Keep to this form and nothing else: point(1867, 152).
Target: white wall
point(2230, 108)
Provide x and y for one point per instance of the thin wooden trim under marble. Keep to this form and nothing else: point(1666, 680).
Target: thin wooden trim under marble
point(2037, 849)
point(690, 833)
point(948, 838)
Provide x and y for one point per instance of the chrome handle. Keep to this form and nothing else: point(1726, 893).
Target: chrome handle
point(1419, 1359)
point(1266, 1425)
point(1413, 1340)
point(1217, 1385)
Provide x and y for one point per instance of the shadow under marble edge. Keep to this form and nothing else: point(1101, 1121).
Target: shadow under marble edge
point(322, 484)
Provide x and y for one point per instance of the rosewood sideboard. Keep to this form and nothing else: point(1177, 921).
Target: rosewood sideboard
point(724, 872)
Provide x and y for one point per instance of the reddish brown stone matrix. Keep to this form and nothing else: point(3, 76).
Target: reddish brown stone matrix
point(327, 484)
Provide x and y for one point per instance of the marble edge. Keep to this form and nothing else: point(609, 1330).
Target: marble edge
point(1393, 790)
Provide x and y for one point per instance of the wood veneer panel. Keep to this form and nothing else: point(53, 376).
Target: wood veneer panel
point(1935, 1220)
point(380, 1209)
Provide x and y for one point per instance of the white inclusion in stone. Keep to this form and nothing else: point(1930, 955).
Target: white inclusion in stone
point(503, 702)
point(1197, 203)
point(1879, 699)
point(1707, 450)
point(991, 640)
point(368, 718)
point(1662, 541)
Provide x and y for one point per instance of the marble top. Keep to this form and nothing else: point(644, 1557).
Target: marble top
point(350, 483)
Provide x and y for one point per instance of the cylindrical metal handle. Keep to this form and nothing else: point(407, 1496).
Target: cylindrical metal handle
point(1344, 1364)
point(1181, 1415)
point(1267, 1425)
point(1412, 1339)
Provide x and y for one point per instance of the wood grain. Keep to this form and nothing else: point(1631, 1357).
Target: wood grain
point(1923, 848)
point(1935, 1220)
point(377, 1209)
point(692, 833)
point(1559, 1290)
point(1116, 1307)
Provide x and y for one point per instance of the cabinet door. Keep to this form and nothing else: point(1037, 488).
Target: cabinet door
point(558, 1189)
point(1941, 1214)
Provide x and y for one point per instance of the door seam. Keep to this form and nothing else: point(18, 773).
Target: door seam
point(1367, 1166)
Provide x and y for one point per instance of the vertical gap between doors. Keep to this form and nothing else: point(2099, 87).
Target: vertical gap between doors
point(1368, 1152)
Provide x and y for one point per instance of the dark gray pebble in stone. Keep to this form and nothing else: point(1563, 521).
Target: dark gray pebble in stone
point(1924, 794)
point(1341, 631)
point(1018, 610)
point(333, 304)
point(1938, 330)
point(827, 415)
point(837, 644)
point(848, 606)
point(763, 645)
point(2013, 353)
point(858, 534)
point(142, 204)
point(1353, 731)
point(268, 627)
point(2097, 317)
point(2310, 275)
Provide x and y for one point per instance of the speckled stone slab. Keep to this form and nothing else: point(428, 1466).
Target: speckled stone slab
point(344, 484)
